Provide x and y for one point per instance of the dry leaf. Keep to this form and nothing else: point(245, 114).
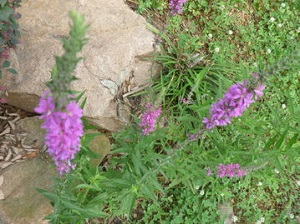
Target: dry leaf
point(9, 154)
point(6, 131)
point(1, 180)
point(5, 164)
point(12, 125)
point(16, 158)
point(30, 155)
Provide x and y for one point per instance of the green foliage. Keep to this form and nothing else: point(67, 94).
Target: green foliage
point(9, 32)
point(144, 5)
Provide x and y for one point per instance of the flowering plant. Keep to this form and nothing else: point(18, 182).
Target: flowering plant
point(148, 119)
point(233, 104)
point(9, 30)
point(176, 6)
point(61, 114)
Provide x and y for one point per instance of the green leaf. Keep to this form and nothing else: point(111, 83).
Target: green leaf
point(5, 12)
point(3, 2)
point(83, 103)
point(52, 197)
point(6, 64)
point(128, 202)
point(13, 71)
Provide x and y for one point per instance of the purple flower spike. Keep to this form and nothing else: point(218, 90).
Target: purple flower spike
point(64, 130)
point(231, 170)
point(235, 101)
point(148, 119)
point(176, 6)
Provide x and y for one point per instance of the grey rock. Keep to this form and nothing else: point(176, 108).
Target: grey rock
point(117, 41)
point(22, 204)
point(32, 126)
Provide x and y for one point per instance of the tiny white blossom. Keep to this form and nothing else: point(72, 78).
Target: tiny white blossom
point(258, 222)
point(279, 25)
point(283, 106)
point(292, 216)
point(283, 5)
point(255, 64)
point(276, 171)
point(262, 220)
point(196, 187)
point(230, 32)
point(298, 30)
point(269, 51)
point(222, 7)
point(217, 49)
point(272, 19)
point(222, 195)
point(298, 182)
point(210, 36)
point(259, 184)
point(234, 218)
point(202, 192)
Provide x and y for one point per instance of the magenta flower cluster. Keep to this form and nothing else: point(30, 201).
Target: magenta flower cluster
point(149, 118)
point(233, 104)
point(176, 6)
point(231, 170)
point(64, 130)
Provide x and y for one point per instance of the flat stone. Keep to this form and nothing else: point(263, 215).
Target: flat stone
point(22, 204)
point(32, 126)
point(100, 145)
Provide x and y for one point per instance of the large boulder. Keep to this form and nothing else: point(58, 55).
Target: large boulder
point(117, 40)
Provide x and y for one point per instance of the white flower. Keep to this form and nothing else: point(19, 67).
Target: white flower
point(283, 5)
point(259, 184)
point(230, 32)
point(234, 218)
point(217, 49)
point(276, 171)
point(283, 106)
point(262, 220)
point(269, 51)
point(255, 64)
point(222, 195)
point(298, 182)
point(210, 36)
point(202, 192)
point(222, 7)
point(272, 19)
point(279, 25)
point(292, 216)
point(298, 30)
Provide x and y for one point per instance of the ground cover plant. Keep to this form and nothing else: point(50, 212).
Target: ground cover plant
point(219, 129)
point(9, 38)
